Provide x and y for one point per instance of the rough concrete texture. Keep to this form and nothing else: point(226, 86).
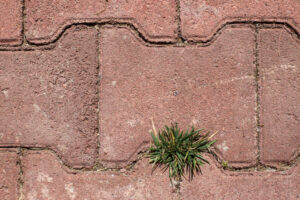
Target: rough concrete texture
point(9, 174)
point(200, 19)
point(45, 179)
point(280, 94)
point(188, 85)
point(217, 184)
point(10, 22)
point(80, 80)
point(49, 97)
point(46, 19)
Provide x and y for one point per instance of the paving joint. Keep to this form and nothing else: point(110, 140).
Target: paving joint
point(30, 46)
point(257, 93)
point(180, 39)
point(20, 176)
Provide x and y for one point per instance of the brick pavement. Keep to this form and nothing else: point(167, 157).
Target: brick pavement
point(79, 81)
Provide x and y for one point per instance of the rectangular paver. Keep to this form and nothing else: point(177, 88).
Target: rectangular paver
point(9, 174)
point(46, 19)
point(217, 184)
point(201, 19)
point(45, 178)
point(48, 98)
point(10, 22)
point(280, 95)
point(212, 87)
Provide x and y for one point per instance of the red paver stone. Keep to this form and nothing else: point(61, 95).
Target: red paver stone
point(9, 173)
point(212, 87)
point(10, 22)
point(45, 178)
point(46, 19)
point(217, 184)
point(48, 98)
point(280, 95)
point(200, 19)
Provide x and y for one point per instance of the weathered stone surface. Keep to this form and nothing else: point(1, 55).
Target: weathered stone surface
point(200, 19)
point(45, 178)
point(45, 20)
point(217, 184)
point(49, 98)
point(212, 87)
point(280, 95)
point(9, 172)
point(10, 22)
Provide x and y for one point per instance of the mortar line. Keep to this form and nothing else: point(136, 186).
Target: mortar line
point(20, 175)
point(30, 46)
point(180, 39)
point(24, 40)
point(257, 93)
point(98, 93)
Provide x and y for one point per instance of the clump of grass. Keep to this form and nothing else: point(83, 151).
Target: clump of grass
point(179, 151)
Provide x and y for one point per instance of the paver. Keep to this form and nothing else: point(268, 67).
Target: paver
point(49, 97)
point(9, 172)
point(10, 22)
point(200, 19)
point(212, 87)
point(280, 94)
point(45, 178)
point(46, 19)
point(217, 184)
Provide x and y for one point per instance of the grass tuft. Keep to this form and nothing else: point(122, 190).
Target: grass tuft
point(178, 151)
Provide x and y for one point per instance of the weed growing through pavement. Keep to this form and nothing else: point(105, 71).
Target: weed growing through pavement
point(179, 152)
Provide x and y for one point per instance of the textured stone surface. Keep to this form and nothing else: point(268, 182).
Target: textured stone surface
point(46, 19)
point(216, 184)
point(45, 178)
point(280, 95)
point(200, 19)
point(49, 99)
point(9, 172)
point(10, 22)
point(212, 87)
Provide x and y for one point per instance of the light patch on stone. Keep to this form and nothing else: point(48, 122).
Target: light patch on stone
point(114, 83)
point(194, 122)
point(70, 191)
point(44, 177)
point(287, 66)
point(223, 146)
point(36, 108)
point(45, 192)
point(5, 92)
point(32, 195)
point(132, 122)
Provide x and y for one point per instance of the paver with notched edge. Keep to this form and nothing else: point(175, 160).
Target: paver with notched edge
point(48, 98)
point(214, 183)
point(45, 178)
point(45, 20)
point(280, 95)
point(212, 87)
point(9, 172)
point(200, 19)
point(10, 22)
